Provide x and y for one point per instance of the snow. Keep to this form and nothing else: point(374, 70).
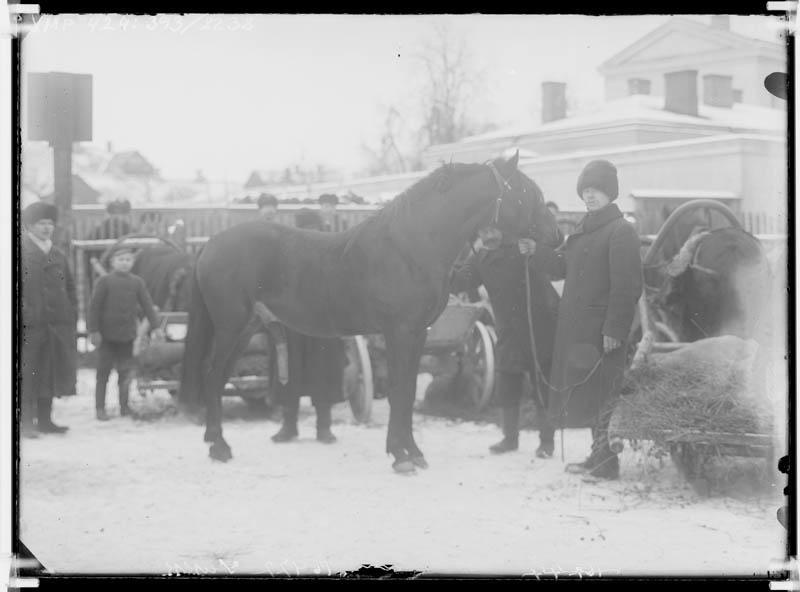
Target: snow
point(740, 117)
point(142, 496)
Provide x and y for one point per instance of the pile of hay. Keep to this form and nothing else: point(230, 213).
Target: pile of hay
point(707, 387)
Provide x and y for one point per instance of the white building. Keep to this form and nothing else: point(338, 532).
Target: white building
point(686, 116)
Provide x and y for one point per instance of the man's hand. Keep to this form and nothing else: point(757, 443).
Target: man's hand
point(527, 246)
point(610, 344)
point(96, 338)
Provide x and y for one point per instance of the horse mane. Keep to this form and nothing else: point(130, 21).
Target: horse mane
point(438, 180)
point(400, 209)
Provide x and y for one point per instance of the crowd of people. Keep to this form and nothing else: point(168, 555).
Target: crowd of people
point(575, 371)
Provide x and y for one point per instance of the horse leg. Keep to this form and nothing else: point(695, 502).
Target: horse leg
point(404, 349)
point(228, 343)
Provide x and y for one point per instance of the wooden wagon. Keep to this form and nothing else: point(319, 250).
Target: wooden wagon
point(459, 349)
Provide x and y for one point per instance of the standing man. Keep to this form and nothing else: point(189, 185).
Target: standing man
point(268, 207)
point(49, 315)
point(316, 368)
point(603, 272)
point(327, 207)
point(500, 267)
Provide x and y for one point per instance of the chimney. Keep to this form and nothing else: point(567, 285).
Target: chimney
point(554, 101)
point(718, 90)
point(680, 92)
point(638, 86)
point(721, 21)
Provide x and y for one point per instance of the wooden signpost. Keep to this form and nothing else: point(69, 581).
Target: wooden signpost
point(60, 112)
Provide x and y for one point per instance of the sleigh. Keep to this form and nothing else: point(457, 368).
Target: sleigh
point(675, 367)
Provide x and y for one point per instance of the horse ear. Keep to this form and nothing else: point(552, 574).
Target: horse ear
point(511, 164)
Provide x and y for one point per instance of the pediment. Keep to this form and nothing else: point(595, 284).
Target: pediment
point(677, 37)
point(676, 44)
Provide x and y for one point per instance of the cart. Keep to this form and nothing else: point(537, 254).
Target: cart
point(689, 449)
point(458, 352)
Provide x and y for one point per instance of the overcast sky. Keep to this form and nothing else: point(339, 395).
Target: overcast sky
point(273, 90)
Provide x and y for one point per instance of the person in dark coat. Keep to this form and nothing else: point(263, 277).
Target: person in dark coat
point(316, 369)
point(112, 323)
point(267, 206)
point(116, 224)
point(49, 316)
point(327, 207)
point(500, 267)
point(603, 272)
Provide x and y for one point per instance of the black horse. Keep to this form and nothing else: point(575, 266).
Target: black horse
point(389, 275)
point(718, 285)
point(167, 273)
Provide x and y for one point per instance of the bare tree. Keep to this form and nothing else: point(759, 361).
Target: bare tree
point(450, 87)
point(392, 154)
point(451, 84)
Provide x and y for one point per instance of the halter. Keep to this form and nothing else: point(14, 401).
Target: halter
point(504, 186)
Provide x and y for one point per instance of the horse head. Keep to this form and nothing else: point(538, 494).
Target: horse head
point(520, 209)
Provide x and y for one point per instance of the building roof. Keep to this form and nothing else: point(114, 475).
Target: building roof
point(644, 109)
point(681, 36)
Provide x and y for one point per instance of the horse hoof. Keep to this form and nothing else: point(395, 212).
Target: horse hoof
point(220, 452)
point(404, 467)
point(419, 461)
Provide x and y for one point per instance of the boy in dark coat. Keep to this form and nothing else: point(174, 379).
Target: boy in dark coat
point(603, 272)
point(500, 267)
point(316, 369)
point(49, 313)
point(113, 315)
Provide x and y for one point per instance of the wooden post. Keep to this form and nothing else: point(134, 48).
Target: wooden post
point(62, 194)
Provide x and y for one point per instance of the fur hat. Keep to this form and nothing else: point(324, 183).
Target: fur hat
point(328, 198)
point(602, 175)
point(120, 250)
point(40, 210)
point(267, 199)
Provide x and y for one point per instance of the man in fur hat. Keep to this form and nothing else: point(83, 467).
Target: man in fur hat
point(49, 313)
point(602, 268)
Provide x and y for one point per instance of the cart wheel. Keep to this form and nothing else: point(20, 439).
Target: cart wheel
point(358, 386)
point(479, 365)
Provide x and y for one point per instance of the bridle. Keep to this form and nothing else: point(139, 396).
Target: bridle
point(504, 187)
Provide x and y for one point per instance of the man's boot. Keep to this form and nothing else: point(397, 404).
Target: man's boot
point(324, 433)
point(27, 415)
point(510, 441)
point(288, 430)
point(546, 442)
point(509, 390)
point(45, 423)
point(124, 384)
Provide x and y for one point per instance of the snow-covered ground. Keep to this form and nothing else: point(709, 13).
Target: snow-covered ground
point(142, 496)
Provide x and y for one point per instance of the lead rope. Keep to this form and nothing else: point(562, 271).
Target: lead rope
point(540, 378)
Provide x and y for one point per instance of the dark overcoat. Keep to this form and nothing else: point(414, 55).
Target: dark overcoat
point(502, 272)
point(48, 321)
point(603, 272)
point(316, 364)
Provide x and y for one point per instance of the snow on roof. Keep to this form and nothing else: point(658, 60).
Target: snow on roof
point(683, 194)
point(644, 109)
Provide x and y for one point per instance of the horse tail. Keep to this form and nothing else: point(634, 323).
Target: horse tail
point(199, 336)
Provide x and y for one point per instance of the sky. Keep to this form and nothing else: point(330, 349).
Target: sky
point(229, 94)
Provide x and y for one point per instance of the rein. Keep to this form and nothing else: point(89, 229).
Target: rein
point(540, 377)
